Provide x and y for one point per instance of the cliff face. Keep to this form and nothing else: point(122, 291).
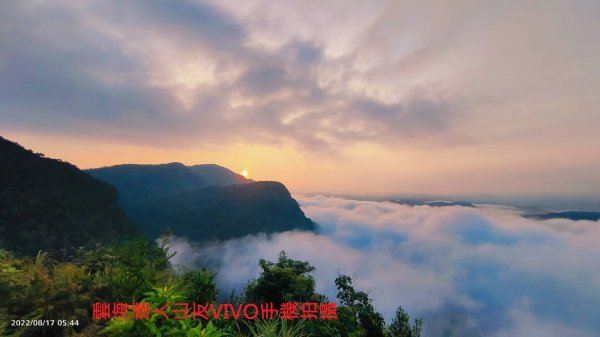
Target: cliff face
point(220, 213)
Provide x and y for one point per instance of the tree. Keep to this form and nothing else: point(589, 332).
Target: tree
point(400, 326)
point(198, 286)
point(124, 271)
point(285, 281)
point(361, 306)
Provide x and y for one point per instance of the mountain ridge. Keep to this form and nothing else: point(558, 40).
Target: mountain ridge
point(203, 202)
point(138, 182)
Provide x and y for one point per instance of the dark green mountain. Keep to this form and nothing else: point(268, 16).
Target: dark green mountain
point(224, 212)
point(203, 202)
point(570, 215)
point(52, 205)
point(138, 183)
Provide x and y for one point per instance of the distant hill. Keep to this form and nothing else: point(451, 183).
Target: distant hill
point(203, 202)
point(433, 203)
point(49, 204)
point(139, 183)
point(571, 215)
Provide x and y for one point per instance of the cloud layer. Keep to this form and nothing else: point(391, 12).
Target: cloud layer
point(145, 67)
point(485, 271)
point(321, 76)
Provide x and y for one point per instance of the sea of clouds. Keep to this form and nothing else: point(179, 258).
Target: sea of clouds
point(485, 271)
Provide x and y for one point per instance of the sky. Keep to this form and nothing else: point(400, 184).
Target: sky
point(485, 271)
point(363, 97)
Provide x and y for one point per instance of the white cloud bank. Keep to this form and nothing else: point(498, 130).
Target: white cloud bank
point(485, 271)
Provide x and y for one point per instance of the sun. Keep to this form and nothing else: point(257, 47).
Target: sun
point(245, 173)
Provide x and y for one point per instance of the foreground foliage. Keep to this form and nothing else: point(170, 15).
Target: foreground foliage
point(139, 271)
point(157, 325)
point(277, 328)
point(44, 288)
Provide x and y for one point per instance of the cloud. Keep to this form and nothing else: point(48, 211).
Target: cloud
point(505, 93)
point(524, 323)
point(484, 271)
point(183, 70)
